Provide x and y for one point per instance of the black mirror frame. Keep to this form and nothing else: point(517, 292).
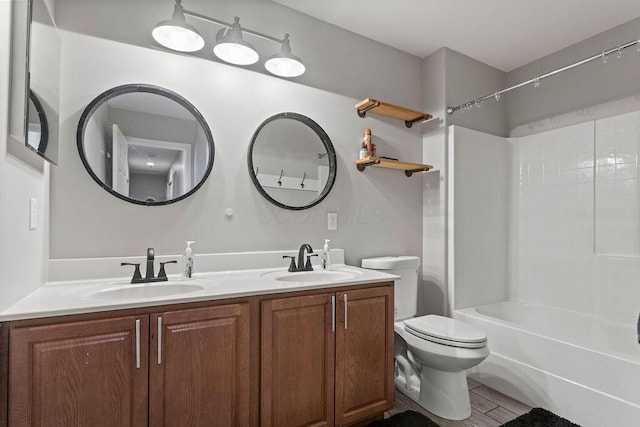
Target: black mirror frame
point(333, 165)
point(157, 90)
point(44, 125)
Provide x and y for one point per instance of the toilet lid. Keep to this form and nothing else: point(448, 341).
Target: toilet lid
point(447, 331)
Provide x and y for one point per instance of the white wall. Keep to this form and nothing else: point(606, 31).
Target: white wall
point(23, 253)
point(379, 211)
point(98, 131)
point(478, 211)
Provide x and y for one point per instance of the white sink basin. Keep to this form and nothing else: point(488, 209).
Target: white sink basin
point(143, 290)
point(316, 276)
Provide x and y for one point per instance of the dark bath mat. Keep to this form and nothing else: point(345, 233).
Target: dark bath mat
point(539, 417)
point(405, 419)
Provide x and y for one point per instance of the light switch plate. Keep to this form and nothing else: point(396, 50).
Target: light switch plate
point(33, 213)
point(332, 221)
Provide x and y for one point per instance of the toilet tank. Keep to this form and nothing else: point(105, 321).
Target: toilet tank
point(406, 288)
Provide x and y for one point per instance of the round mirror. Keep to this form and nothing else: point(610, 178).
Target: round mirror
point(145, 144)
point(38, 128)
point(292, 161)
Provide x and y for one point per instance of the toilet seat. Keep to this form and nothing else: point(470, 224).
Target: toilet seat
point(446, 331)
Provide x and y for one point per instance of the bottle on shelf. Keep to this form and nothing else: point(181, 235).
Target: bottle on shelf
point(371, 147)
point(363, 151)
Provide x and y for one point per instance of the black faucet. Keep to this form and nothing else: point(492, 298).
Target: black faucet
point(150, 258)
point(149, 274)
point(302, 266)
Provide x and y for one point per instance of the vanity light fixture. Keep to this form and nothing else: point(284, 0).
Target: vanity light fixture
point(176, 34)
point(284, 63)
point(230, 46)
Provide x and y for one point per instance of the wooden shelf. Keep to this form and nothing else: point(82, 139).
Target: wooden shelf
point(389, 110)
point(408, 168)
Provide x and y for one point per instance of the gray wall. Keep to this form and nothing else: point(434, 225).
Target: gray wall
point(449, 78)
point(336, 60)
point(467, 79)
point(379, 211)
point(577, 90)
point(143, 185)
point(432, 294)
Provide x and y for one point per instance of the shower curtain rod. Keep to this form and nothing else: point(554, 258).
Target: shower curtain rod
point(536, 80)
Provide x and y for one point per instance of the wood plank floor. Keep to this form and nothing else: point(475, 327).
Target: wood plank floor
point(489, 408)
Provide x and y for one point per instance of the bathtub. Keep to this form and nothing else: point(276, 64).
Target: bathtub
point(580, 367)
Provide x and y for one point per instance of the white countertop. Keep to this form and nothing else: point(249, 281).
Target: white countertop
point(87, 296)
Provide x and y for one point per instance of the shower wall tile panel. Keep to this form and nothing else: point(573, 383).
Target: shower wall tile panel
point(574, 226)
point(480, 189)
point(551, 224)
point(617, 202)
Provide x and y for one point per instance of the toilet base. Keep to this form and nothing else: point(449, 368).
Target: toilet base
point(444, 394)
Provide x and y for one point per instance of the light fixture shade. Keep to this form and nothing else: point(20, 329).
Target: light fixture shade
point(232, 48)
point(284, 64)
point(176, 34)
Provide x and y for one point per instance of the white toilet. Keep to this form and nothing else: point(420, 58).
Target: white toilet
point(432, 352)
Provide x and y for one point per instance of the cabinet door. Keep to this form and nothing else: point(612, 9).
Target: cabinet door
point(199, 367)
point(91, 373)
point(364, 353)
point(297, 362)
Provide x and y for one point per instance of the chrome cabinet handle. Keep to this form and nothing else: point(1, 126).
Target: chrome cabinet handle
point(346, 311)
point(137, 343)
point(159, 340)
point(333, 313)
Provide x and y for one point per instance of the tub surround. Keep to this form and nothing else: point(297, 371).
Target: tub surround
point(545, 356)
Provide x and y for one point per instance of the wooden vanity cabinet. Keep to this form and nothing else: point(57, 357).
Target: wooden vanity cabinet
point(327, 359)
point(308, 358)
point(91, 373)
point(297, 361)
point(364, 354)
point(199, 367)
point(174, 368)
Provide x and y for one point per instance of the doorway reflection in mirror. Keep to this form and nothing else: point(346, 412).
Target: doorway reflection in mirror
point(146, 147)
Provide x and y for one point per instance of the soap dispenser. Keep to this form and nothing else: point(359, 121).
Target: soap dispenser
point(326, 256)
point(187, 261)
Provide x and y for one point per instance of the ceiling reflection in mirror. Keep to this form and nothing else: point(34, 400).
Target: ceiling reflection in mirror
point(145, 144)
point(292, 161)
